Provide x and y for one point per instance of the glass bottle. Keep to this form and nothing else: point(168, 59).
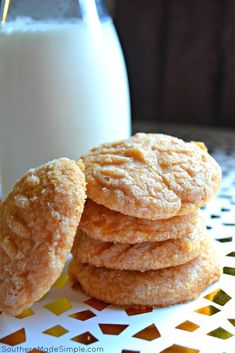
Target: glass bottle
point(63, 83)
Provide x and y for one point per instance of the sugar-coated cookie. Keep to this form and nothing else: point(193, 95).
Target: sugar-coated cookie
point(38, 222)
point(140, 257)
point(151, 176)
point(101, 223)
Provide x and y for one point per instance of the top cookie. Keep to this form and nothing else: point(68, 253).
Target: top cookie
point(151, 176)
point(38, 222)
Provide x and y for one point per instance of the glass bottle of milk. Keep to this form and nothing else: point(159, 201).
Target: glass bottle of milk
point(63, 83)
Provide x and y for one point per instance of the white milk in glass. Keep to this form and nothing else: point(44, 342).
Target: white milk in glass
point(63, 90)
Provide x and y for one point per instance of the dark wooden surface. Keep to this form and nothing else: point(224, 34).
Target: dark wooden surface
point(180, 57)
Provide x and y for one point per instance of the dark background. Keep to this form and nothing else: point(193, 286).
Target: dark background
point(180, 57)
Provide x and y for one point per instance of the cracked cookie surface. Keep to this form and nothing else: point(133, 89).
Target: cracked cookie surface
point(151, 176)
point(101, 223)
point(140, 257)
point(38, 222)
point(156, 288)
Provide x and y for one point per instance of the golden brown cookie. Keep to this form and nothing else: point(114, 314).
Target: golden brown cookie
point(151, 176)
point(101, 223)
point(157, 288)
point(38, 222)
point(140, 257)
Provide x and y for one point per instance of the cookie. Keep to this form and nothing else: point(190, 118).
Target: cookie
point(38, 222)
point(140, 257)
point(156, 288)
point(101, 223)
point(151, 176)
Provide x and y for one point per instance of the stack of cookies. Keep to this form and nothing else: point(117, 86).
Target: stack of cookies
point(141, 240)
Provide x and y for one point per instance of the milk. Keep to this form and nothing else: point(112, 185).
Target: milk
point(63, 90)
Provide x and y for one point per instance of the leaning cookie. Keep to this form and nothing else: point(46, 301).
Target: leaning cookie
point(101, 223)
point(156, 288)
point(38, 222)
point(140, 257)
point(151, 176)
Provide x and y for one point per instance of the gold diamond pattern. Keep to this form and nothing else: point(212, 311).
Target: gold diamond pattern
point(229, 271)
point(61, 281)
point(112, 329)
point(218, 297)
point(207, 310)
point(96, 304)
point(56, 331)
point(134, 311)
point(187, 326)
point(14, 338)
point(85, 338)
point(28, 312)
point(231, 254)
point(179, 349)
point(220, 332)
point(225, 240)
point(149, 333)
point(83, 315)
point(232, 321)
point(59, 306)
